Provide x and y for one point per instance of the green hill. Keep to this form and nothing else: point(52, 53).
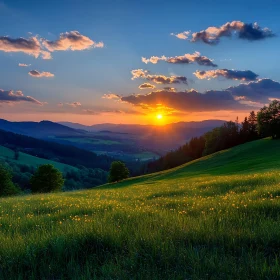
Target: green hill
point(8, 154)
point(214, 218)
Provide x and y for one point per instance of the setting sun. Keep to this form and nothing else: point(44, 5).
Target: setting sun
point(159, 116)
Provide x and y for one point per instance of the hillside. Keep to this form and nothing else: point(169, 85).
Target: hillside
point(41, 129)
point(214, 218)
point(8, 154)
point(50, 150)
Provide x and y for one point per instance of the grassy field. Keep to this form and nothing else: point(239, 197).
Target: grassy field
point(6, 153)
point(215, 218)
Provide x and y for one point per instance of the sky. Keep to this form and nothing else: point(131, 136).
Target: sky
point(120, 61)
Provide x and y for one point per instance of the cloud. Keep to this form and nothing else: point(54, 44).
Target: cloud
point(24, 65)
point(183, 59)
point(10, 96)
point(74, 104)
point(30, 46)
point(89, 112)
point(170, 89)
point(159, 79)
point(154, 59)
point(183, 35)
point(37, 74)
point(111, 96)
point(241, 75)
point(73, 41)
point(251, 32)
point(241, 97)
point(146, 85)
point(262, 91)
point(190, 101)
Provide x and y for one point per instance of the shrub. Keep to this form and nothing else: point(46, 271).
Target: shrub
point(46, 179)
point(118, 172)
point(7, 187)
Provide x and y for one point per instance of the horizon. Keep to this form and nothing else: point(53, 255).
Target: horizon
point(102, 66)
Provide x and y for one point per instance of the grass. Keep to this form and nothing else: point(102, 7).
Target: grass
point(215, 218)
point(8, 154)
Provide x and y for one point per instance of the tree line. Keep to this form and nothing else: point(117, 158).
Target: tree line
point(264, 123)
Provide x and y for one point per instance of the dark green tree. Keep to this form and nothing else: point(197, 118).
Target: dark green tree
point(7, 187)
point(16, 155)
point(46, 179)
point(269, 120)
point(118, 171)
point(253, 125)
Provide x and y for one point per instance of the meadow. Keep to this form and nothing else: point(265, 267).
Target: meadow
point(214, 218)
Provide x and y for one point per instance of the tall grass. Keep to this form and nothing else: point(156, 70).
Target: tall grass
point(205, 220)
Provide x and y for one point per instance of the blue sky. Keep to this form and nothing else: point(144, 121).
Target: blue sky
point(129, 30)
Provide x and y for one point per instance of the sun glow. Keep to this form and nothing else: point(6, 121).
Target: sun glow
point(159, 116)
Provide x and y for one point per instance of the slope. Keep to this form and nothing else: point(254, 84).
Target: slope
point(215, 218)
point(8, 154)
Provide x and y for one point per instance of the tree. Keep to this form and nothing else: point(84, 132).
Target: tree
point(269, 120)
point(16, 155)
point(46, 179)
point(118, 171)
point(7, 187)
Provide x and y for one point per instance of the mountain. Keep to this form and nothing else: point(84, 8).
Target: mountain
point(137, 128)
point(41, 129)
point(213, 218)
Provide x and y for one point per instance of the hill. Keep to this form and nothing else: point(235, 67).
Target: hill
point(214, 218)
point(8, 154)
point(50, 150)
point(41, 129)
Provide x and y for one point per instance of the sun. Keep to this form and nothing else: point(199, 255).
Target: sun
point(159, 116)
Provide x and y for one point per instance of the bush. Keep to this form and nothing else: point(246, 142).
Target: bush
point(118, 172)
point(7, 187)
point(46, 179)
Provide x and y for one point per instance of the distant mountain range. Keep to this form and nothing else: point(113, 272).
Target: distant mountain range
point(136, 128)
point(123, 141)
point(41, 129)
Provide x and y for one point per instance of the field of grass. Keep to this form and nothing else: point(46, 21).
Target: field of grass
point(26, 159)
point(214, 218)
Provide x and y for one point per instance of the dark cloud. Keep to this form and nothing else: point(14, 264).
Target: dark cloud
point(241, 75)
point(242, 97)
point(146, 85)
point(262, 91)
point(183, 59)
point(251, 32)
point(170, 89)
point(73, 41)
point(10, 96)
point(190, 101)
point(159, 79)
point(37, 74)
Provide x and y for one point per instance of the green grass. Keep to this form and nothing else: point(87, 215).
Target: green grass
point(7, 154)
point(215, 218)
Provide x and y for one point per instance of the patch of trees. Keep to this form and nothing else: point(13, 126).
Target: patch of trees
point(265, 123)
point(73, 179)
